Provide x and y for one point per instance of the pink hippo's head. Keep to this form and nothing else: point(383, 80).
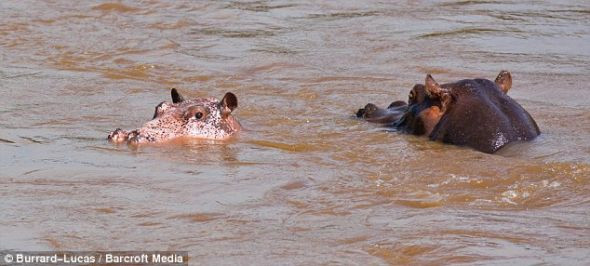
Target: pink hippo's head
point(205, 118)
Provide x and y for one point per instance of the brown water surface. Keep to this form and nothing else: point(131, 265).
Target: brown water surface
point(307, 183)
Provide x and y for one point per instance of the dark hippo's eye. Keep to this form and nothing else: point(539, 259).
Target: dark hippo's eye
point(199, 115)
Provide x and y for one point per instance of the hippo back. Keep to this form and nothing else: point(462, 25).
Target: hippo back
point(483, 117)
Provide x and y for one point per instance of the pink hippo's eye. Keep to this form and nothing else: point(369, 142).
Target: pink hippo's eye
point(196, 112)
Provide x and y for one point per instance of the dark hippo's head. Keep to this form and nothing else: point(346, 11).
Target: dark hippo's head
point(473, 112)
point(205, 118)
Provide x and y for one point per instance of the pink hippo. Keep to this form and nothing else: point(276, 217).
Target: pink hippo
point(205, 118)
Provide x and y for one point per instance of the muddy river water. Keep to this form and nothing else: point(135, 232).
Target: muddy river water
point(306, 183)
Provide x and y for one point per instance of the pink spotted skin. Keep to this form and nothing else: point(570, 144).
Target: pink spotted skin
point(202, 118)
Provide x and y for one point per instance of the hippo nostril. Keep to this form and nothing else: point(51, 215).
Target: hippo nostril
point(370, 108)
point(135, 140)
point(360, 113)
point(114, 135)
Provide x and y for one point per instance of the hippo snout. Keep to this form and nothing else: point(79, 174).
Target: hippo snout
point(366, 111)
point(131, 137)
point(118, 136)
point(138, 139)
point(389, 115)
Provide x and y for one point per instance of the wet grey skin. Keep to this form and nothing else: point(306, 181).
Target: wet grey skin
point(476, 113)
point(204, 118)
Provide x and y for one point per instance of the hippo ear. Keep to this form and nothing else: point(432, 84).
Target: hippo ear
point(504, 81)
point(176, 97)
point(433, 90)
point(228, 103)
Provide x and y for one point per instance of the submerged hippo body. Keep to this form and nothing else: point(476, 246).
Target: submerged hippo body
point(204, 118)
point(476, 113)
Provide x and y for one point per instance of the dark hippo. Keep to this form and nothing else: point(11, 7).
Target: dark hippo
point(204, 118)
point(476, 113)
